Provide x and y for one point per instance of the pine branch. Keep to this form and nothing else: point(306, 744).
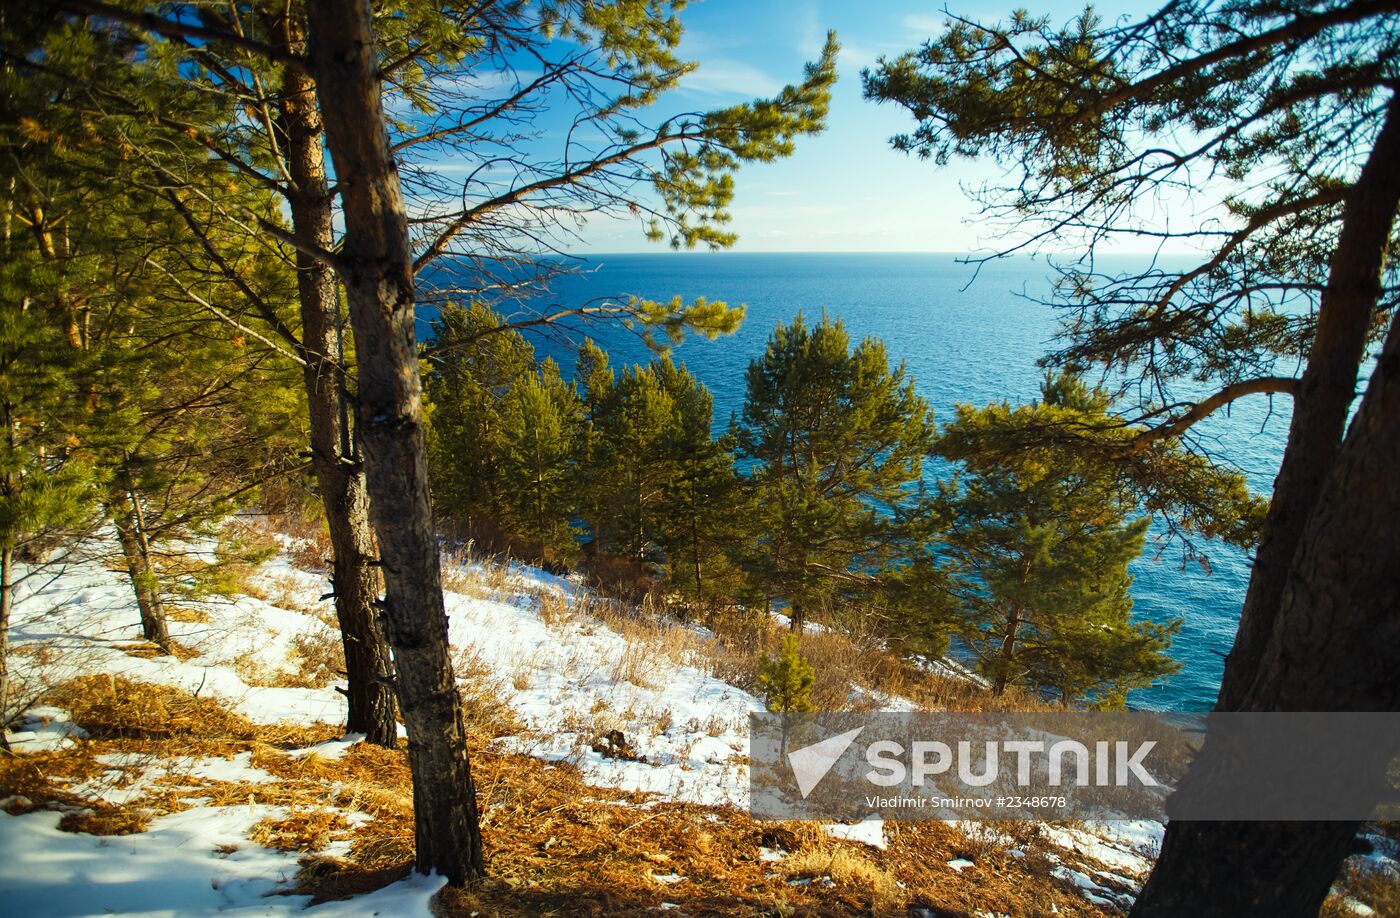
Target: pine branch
point(172, 28)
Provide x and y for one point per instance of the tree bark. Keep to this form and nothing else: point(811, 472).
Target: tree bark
point(136, 552)
point(376, 267)
point(797, 617)
point(7, 593)
point(340, 476)
point(1008, 649)
point(1334, 641)
point(1335, 647)
point(1323, 397)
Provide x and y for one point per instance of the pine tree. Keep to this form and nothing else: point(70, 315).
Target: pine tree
point(785, 679)
point(836, 438)
point(476, 363)
point(679, 172)
point(184, 414)
point(703, 514)
point(1098, 123)
point(1037, 547)
point(541, 432)
point(48, 487)
point(629, 466)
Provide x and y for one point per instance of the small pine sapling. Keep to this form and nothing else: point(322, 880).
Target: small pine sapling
point(785, 679)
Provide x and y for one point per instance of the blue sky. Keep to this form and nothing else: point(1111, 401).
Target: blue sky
point(845, 190)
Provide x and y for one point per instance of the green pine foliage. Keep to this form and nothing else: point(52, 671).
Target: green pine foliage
point(835, 438)
point(660, 489)
point(48, 483)
point(629, 467)
point(1036, 549)
point(541, 426)
point(127, 369)
point(705, 510)
point(474, 365)
point(785, 679)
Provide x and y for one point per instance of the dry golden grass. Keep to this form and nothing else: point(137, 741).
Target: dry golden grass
point(486, 711)
point(146, 650)
point(312, 552)
point(556, 846)
point(308, 831)
point(1370, 886)
point(310, 545)
point(319, 657)
point(844, 863)
point(110, 706)
point(552, 606)
point(187, 615)
point(476, 578)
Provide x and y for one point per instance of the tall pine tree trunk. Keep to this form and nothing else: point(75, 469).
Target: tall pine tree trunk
point(1323, 399)
point(376, 267)
point(136, 552)
point(1008, 649)
point(1331, 639)
point(1335, 647)
point(7, 594)
point(339, 472)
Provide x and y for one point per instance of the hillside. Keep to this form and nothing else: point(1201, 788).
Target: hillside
point(609, 753)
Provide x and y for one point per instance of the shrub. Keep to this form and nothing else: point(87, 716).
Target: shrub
point(785, 680)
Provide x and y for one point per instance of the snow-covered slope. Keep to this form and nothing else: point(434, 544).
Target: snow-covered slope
point(568, 679)
point(568, 672)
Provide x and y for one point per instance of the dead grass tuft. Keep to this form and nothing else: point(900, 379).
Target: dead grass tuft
point(107, 820)
point(328, 879)
point(484, 706)
point(146, 650)
point(1371, 886)
point(307, 830)
point(312, 552)
point(552, 606)
point(476, 578)
point(847, 865)
point(110, 706)
point(319, 657)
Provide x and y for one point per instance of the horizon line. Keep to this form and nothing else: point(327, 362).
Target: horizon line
point(989, 257)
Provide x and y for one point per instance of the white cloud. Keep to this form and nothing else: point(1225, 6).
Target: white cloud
point(721, 76)
point(858, 57)
point(924, 25)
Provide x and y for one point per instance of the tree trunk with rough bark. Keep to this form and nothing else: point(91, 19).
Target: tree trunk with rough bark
point(136, 552)
point(1335, 647)
point(7, 592)
point(1008, 649)
point(797, 617)
point(335, 459)
point(1331, 641)
point(376, 268)
point(1323, 398)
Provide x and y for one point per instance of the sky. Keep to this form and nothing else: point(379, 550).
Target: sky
point(846, 190)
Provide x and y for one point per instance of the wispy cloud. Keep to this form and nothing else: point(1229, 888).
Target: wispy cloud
point(923, 24)
point(856, 57)
point(813, 29)
point(721, 76)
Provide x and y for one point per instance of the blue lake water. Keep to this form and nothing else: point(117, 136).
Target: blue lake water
point(963, 340)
